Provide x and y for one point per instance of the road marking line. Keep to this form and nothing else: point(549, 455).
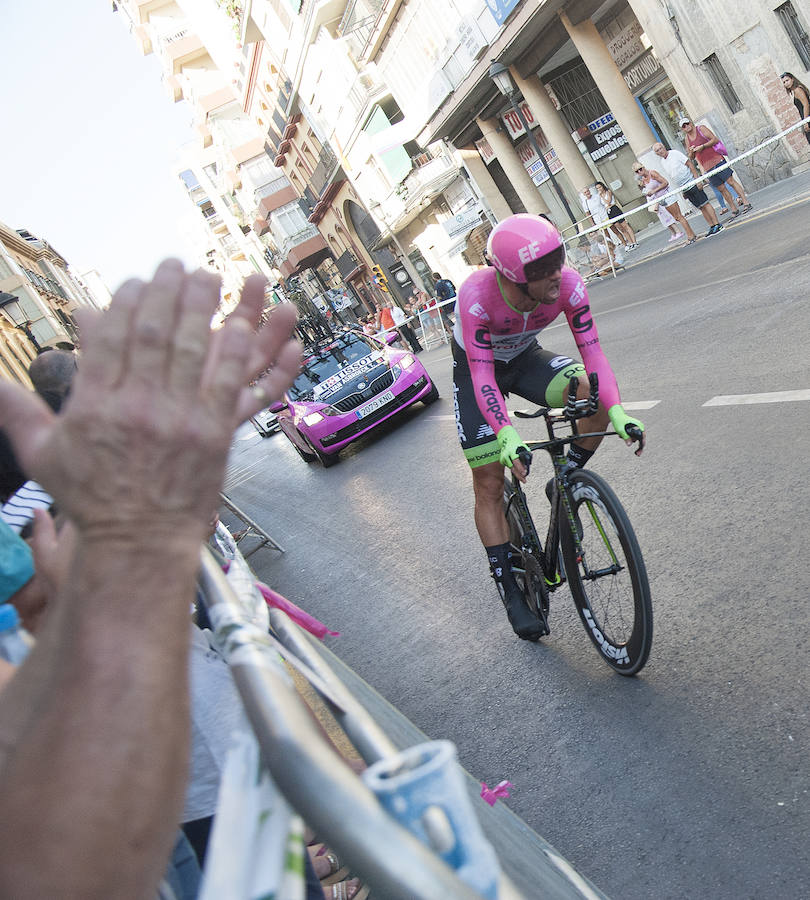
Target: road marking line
point(641, 404)
point(773, 397)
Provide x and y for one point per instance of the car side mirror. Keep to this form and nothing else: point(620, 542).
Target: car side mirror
point(277, 407)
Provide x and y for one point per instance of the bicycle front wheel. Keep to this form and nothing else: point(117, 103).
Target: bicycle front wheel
point(606, 573)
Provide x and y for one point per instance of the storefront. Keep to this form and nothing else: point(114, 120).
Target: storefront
point(645, 76)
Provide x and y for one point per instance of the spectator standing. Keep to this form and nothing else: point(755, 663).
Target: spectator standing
point(595, 206)
point(445, 290)
point(680, 170)
point(404, 328)
point(386, 319)
point(704, 146)
point(801, 99)
point(654, 185)
point(621, 228)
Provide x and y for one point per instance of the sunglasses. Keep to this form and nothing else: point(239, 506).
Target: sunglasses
point(638, 170)
point(686, 124)
point(546, 266)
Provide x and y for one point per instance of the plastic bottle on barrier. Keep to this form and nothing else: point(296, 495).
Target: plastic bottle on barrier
point(15, 641)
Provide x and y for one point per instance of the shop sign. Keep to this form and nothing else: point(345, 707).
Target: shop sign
point(513, 124)
point(535, 168)
point(485, 150)
point(471, 39)
point(604, 136)
point(627, 45)
point(462, 222)
point(500, 9)
point(640, 74)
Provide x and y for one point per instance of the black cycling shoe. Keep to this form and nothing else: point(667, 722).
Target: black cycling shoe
point(524, 622)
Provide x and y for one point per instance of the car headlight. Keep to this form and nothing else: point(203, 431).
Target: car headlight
point(313, 418)
point(407, 361)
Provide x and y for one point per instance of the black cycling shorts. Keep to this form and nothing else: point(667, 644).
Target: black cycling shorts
point(537, 375)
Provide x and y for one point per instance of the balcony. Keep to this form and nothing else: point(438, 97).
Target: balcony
point(277, 199)
point(144, 8)
point(181, 48)
point(431, 173)
point(246, 151)
point(324, 170)
point(303, 251)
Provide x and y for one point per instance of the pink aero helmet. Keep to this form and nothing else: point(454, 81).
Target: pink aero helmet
point(520, 240)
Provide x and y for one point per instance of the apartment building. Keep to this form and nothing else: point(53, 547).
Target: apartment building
point(400, 149)
point(227, 168)
point(38, 298)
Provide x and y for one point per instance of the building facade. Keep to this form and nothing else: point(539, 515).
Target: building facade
point(38, 298)
point(395, 151)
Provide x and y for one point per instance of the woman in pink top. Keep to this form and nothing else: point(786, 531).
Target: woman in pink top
point(700, 141)
point(654, 185)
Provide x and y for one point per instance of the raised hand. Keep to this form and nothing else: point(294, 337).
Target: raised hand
point(143, 438)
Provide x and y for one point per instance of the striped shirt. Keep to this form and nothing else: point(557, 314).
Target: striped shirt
point(19, 509)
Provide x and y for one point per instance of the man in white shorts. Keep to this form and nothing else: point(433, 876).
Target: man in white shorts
point(679, 169)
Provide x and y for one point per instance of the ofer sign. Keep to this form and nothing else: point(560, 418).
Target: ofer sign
point(605, 136)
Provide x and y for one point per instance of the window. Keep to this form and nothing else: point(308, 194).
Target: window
point(580, 99)
point(795, 31)
point(722, 83)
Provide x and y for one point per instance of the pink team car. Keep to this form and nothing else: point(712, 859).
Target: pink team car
point(347, 386)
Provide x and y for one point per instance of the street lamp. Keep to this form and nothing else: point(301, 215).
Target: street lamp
point(11, 306)
point(503, 81)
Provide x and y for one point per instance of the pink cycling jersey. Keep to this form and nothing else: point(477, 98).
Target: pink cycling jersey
point(489, 329)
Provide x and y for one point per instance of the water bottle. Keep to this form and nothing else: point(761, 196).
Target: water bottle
point(15, 641)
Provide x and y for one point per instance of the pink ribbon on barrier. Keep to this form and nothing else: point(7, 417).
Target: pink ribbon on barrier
point(492, 795)
point(304, 619)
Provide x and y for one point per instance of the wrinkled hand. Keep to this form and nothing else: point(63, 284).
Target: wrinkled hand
point(143, 438)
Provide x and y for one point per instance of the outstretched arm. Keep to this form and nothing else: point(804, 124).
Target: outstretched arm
point(93, 764)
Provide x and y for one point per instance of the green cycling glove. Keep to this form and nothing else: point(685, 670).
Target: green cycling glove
point(620, 420)
point(510, 443)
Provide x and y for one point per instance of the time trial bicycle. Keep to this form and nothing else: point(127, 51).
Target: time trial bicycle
point(589, 543)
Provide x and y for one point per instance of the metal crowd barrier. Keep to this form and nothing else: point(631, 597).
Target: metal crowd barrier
point(430, 329)
point(330, 798)
point(252, 529)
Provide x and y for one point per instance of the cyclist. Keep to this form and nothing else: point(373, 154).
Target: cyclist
point(500, 312)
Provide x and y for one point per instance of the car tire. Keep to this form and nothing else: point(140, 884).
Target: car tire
point(306, 456)
point(327, 459)
point(432, 395)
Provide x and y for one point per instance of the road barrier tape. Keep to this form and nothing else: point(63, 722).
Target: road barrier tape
point(602, 226)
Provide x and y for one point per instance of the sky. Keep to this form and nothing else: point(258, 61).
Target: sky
point(89, 139)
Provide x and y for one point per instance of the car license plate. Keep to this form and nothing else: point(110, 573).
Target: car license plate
point(376, 403)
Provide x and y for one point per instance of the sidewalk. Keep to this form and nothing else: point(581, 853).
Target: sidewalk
point(654, 239)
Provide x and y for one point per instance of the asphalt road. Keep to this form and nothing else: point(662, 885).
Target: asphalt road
point(692, 779)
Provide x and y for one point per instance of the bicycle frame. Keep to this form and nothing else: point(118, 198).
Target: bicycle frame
point(555, 446)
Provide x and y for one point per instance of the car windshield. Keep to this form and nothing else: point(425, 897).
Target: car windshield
point(327, 361)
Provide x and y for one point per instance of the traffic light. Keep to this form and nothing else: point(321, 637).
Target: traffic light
point(379, 278)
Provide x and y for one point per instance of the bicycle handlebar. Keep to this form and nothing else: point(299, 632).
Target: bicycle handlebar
point(573, 409)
